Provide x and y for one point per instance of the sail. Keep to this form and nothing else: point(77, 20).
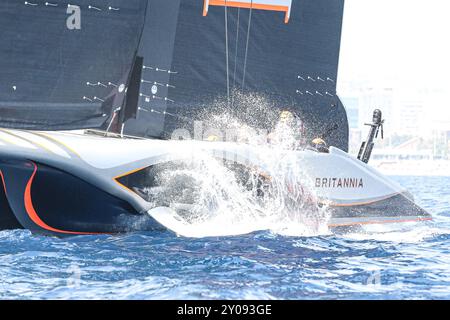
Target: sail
point(150, 67)
point(66, 65)
point(203, 56)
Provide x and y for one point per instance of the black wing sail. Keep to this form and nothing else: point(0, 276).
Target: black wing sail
point(201, 55)
point(194, 56)
point(66, 65)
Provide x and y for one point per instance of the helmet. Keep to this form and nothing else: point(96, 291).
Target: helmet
point(286, 116)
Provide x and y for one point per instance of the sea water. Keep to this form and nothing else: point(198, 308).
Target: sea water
point(378, 262)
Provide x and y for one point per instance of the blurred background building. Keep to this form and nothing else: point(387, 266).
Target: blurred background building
point(391, 62)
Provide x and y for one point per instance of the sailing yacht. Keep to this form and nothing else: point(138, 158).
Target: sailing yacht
point(136, 78)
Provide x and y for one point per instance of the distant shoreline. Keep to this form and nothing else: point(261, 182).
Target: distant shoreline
point(413, 167)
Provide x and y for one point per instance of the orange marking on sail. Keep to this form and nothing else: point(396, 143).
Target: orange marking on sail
point(246, 5)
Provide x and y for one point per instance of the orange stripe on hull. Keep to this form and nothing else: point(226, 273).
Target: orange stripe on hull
point(331, 204)
point(35, 217)
point(378, 222)
point(116, 179)
point(237, 4)
point(3, 182)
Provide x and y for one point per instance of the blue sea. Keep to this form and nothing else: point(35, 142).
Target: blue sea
point(409, 261)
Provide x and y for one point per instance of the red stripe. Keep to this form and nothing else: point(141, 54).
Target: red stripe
point(3, 182)
point(35, 217)
point(378, 222)
point(252, 5)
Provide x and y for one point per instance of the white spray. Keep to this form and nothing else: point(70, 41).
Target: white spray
point(215, 197)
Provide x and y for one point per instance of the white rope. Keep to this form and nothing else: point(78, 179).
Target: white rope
point(246, 46)
point(112, 120)
point(235, 54)
point(226, 51)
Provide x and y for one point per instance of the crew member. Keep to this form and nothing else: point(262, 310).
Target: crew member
point(320, 145)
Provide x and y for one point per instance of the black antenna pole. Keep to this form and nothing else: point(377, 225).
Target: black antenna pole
point(367, 146)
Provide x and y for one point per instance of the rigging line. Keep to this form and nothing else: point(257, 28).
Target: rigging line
point(246, 46)
point(235, 55)
point(226, 51)
point(112, 120)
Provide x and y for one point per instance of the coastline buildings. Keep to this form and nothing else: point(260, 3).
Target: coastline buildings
point(417, 118)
